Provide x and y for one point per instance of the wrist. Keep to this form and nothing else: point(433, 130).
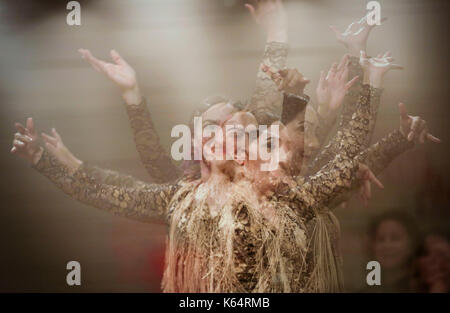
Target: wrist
point(74, 165)
point(279, 35)
point(376, 80)
point(132, 96)
point(324, 111)
point(36, 156)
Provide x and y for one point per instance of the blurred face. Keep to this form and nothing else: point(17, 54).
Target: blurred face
point(302, 131)
point(267, 180)
point(392, 247)
point(233, 144)
point(435, 264)
point(215, 115)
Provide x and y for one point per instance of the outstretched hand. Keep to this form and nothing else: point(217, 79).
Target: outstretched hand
point(414, 128)
point(354, 38)
point(288, 80)
point(270, 15)
point(366, 177)
point(25, 143)
point(56, 147)
point(376, 68)
point(119, 72)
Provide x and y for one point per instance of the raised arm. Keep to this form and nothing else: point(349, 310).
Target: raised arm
point(355, 38)
point(156, 161)
point(374, 70)
point(266, 101)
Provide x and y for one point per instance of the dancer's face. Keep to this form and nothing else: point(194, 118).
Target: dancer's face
point(391, 245)
point(215, 115)
point(302, 131)
point(232, 154)
point(268, 180)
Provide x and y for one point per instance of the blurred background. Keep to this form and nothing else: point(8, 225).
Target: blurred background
point(183, 51)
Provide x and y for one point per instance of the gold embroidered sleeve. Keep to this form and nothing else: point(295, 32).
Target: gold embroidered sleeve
point(338, 175)
point(378, 157)
point(323, 128)
point(382, 153)
point(145, 203)
point(156, 161)
point(316, 191)
point(110, 177)
point(350, 139)
point(266, 101)
point(351, 99)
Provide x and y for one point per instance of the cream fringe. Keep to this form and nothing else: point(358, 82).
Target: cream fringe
point(200, 249)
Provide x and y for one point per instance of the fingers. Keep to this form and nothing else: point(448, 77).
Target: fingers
point(336, 32)
point(117, 58)
point(291, 79)
point(332, 71)
point(433, 139)
point(396, 67)
point(22, 138)
point(251, 9)
point(51, 148)
point(321, 84)
point(351, 83)
point(344, 73)
point(343, 62)
point(56, 135)
point(20, 128)
point(18, 144)
point(30, 126)
point(362, 195)
point(97, 64)
point(423, 131)
point(275, 76)
point(49, 140)
point(374, 179)
point(414, 126)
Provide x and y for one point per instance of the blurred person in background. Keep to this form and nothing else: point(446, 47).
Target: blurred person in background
point(433, 264)
point(393, 242)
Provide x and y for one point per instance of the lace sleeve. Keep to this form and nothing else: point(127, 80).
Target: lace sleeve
point(156, 161)
point(377, 158)
point(349, 139)
point(351, 99)
point(144, 203)
point(349, 108)
point(382, 153)
point(267, 100)
point(110, 177)
point(338, 175)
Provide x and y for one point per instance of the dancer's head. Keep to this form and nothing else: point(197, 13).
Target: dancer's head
point(301, 124)
point(215, 110)
point(227, 151)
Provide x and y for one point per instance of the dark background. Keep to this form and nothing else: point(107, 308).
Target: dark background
point(183, 51)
